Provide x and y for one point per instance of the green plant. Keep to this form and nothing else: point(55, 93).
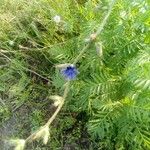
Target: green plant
point(112, 88)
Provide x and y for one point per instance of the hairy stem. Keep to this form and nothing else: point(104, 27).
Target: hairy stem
point(60, 105)
point(98, 32)
point(31, 137)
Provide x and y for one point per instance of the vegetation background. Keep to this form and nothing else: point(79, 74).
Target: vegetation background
point(108, 106)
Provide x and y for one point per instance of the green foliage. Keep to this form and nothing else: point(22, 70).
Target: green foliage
point(110, 99)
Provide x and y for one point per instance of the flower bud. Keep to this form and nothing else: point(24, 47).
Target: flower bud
point(57, 19)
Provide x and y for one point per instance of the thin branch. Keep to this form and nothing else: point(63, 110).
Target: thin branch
point(5, 56)
point(101, 27)
point(31, 137)
point(27, 69)
point(61, 104)
point(28, 49)
point(37, 74)
point(99, 30)
point(81, 53)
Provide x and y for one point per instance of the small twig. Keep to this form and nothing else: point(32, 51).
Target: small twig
point(99, 30)
point(5, 56)
point(38, 74)
point(61, 104)
point(28, 49)
point(31, 137)
point(81, 53)
point(27, 69)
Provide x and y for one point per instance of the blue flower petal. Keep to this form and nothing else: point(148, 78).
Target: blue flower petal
point(70, 72)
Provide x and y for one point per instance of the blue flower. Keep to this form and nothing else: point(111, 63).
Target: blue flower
point(70, 72)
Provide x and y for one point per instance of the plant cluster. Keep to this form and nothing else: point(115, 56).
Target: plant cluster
point(95, 54)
